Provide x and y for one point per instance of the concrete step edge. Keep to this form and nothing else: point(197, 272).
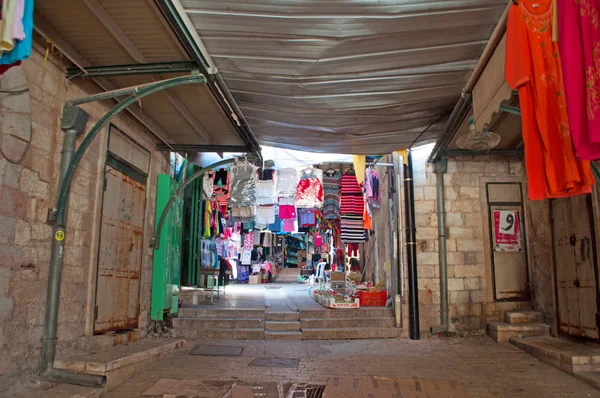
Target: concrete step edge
point(103, 367)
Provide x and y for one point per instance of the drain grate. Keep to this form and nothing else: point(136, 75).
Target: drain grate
point(275, 362)
point(216, 351)
point(315, 391)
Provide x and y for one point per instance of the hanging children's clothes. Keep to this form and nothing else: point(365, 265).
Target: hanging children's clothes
point(579, 42)
point(309, 193)
point(331, 189)
point(533, 67)
point(287, 182)
point(308, 217)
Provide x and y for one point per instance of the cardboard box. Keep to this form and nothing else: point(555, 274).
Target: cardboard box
point(255, 279)
point(338, 277)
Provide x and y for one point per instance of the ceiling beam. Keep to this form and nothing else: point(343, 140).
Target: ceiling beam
point(128, 45)
point(44, 28)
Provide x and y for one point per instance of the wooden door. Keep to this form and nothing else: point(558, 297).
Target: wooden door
point(508, 252)
point(575, 254)
point(120, 254)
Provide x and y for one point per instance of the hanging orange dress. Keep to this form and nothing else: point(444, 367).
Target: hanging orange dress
point(533, 67)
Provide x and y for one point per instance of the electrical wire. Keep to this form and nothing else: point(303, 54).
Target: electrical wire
point(424, 131)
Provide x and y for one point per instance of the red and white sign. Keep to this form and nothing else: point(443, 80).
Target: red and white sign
point(507, 231)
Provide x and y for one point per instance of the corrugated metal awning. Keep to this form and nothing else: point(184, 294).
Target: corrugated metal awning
point(122, 32)
point(351, 76)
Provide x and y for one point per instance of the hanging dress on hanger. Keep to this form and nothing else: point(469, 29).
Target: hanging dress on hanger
point(533, 67)
point(309, 192)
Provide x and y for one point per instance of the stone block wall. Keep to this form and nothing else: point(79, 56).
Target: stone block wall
point(469, 274)
point(29, 168)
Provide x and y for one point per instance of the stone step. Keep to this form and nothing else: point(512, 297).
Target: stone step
point(119, 363)
point(592, 378)
point(338, 323)
point(522, 317)
point(283, 335)
point(282, 316)
point(566, 355)
point(349, 333)
point(502, 332)
point(373, 312)
point(202, 312)
point(218, 323)
point(222, 334)
point(282, 325)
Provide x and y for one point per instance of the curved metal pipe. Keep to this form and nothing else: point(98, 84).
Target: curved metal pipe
point(163, 216)
point(59, 230)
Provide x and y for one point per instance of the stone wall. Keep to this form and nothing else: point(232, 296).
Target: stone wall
point(28, 186)
point(469, 273)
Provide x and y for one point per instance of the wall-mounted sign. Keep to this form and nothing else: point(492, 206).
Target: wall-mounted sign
point(507, 231)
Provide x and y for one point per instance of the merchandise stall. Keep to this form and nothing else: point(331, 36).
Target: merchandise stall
point(256, 221)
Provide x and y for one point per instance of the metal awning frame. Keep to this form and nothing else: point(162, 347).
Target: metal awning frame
point(216, 84)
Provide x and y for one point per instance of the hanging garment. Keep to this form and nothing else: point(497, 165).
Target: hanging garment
point(18, 32)
point(372, 187)
point(267, 174)
point(308, 217)
point(208, 185)
point(331, 190)
point(7, 24)
point(351, 196)
point(249, 241)
point(276, 226)
point(265, 215)
point(222, 178)
point(243, 185)
point(289, 225)
point(265, 193)
point(533, 67)
point(22, 48)
point(309, 193)
point(287, 182)
point(359, 163)
point(318, 241)
point(579, 30)
point(206, 251)
point(352, 227)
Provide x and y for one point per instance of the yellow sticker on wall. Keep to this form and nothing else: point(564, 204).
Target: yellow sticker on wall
point(60, 235)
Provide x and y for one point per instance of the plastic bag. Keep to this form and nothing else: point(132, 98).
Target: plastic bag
point(243, 185)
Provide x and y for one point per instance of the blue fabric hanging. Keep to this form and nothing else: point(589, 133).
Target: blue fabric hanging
point(22, 48)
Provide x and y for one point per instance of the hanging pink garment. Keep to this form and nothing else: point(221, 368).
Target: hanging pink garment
point(579, 43)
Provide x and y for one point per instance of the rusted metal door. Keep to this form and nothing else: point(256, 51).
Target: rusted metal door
point(120, 254)
point(575, 254)
point(507, 237)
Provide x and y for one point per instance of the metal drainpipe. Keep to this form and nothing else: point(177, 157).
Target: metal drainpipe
point(441, 166)
point(73, 122)
point(411, 248)
point(59, 231)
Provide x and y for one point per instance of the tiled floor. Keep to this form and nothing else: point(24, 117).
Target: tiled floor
point(487, 369)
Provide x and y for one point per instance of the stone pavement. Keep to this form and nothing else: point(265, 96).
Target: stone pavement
point(486, 369)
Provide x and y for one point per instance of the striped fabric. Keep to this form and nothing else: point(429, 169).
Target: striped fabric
point(351, 196)
point(352, 228)
point(331, 204)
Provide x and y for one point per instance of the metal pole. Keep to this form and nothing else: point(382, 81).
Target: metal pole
point(58, 232)
point(398, 166)
point(392, 217)
point(440, 168)
point(163, 216)
point(411, 247)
